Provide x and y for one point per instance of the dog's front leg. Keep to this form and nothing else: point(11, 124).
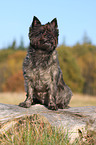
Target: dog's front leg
point(52, 97)
point(27, 103)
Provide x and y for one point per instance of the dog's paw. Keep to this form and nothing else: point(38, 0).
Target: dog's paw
point(67, 107)
point(62, 106)
point(52, 106)
point(26, 104)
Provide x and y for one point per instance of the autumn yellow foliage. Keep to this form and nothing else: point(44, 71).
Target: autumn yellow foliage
point(78, 65)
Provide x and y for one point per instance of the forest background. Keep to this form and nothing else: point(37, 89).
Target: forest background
point(78, 64)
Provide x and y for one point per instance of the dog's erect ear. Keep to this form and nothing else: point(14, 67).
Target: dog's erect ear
point(35, 22)
point(54, 22)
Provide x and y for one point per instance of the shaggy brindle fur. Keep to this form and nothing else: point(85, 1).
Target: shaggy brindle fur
point(43, 77)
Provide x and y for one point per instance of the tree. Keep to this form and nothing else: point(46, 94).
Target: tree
point(21, 47)
point(86, 59)
point(13, 46)
point(86, 39)
point(71, 72)
point(64, 41)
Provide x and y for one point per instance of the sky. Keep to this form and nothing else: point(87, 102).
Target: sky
point(75, 17)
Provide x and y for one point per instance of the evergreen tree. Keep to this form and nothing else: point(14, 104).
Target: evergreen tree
point(86, 39)
point(21, 47)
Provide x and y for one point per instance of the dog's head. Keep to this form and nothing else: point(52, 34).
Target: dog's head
point(43, 37)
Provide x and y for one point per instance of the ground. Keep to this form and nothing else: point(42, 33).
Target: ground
point(76, 101)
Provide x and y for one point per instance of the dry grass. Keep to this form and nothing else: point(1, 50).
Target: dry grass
point(79, 100)
point(12, 98)
point(33, 131)
point(76, 101)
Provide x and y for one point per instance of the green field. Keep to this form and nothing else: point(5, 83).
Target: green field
point(76, 101)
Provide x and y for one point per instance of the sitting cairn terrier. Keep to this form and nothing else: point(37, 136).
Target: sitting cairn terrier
point(43, 77)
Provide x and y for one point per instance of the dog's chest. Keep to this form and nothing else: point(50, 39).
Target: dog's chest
point(40, 77)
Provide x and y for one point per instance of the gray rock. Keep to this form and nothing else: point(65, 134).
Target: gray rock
point(74, 120)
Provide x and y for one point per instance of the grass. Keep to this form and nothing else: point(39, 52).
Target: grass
point(77, 100)
point(32, 132)
point(12, 98)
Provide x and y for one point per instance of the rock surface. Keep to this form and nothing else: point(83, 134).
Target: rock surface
point(74, 120)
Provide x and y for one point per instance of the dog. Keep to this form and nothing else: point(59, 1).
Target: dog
point(43, 77)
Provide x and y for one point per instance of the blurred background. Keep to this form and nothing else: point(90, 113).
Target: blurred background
point(76, 47)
